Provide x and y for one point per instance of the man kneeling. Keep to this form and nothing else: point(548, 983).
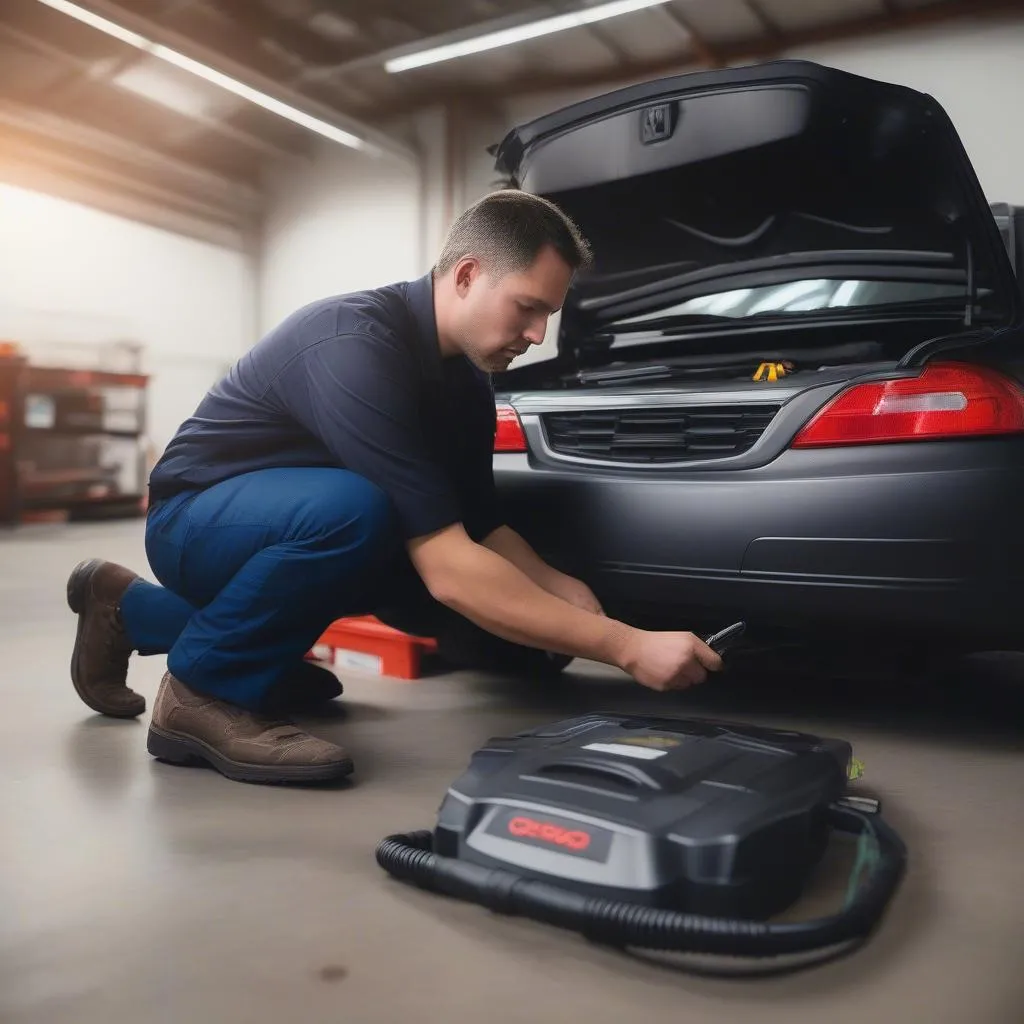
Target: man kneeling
point(344, 465)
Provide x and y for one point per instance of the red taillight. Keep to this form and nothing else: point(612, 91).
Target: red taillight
point(510, 436)
point(947, 400)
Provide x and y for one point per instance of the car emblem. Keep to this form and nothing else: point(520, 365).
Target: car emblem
point(656, 123)
point(772, 371)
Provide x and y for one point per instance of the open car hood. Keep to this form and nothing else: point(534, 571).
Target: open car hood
point(785, 171)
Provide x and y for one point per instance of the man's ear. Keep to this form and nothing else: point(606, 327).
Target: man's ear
point(465, 273)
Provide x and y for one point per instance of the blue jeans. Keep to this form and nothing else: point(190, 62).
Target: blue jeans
point(254, 569)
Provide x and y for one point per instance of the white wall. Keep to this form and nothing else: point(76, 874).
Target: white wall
point(345, 221)
point(342, 222)
point(70, 274)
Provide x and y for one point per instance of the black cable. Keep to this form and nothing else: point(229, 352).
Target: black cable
point(409, 857)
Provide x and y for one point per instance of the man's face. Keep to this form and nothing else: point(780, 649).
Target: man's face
point(501, 317)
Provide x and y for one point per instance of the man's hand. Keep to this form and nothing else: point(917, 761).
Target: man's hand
point(669, 661)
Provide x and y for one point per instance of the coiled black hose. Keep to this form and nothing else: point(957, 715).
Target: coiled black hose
point(409, 857)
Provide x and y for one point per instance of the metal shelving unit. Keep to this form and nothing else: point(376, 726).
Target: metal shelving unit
point(72, 437)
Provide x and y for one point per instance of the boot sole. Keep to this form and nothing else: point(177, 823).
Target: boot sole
point(77, 588)
point(186, 750)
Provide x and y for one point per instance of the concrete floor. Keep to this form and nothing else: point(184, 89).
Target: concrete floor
point(134, 891)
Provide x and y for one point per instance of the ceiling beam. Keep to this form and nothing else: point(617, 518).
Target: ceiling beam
point(471, 31)
point(25, 163)
point(226, 130)
point(599, 33)
point(302, 43)
point(750, 50)
point(52, 128)
point(46, 150)
point(768, 24)
point(196, 51)
point(707, 54)
point(127, 58)
point(84, 69)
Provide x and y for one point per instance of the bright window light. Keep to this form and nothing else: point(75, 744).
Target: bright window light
point(783, 298)
point(519, 33)
point(845, 293)
point(211, 75)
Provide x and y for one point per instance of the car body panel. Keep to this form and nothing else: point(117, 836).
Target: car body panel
point(920, 539)
point(920, 534)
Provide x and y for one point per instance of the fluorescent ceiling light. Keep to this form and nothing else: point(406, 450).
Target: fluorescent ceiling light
point(518, 34)
point(203, 71)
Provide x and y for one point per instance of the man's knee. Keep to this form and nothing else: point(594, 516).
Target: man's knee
point(349, 512)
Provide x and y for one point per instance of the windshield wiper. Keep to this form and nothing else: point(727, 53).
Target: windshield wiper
point(730, 364)
point(648, 374)
point(618, 376)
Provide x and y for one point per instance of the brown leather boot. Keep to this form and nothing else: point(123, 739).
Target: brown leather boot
point(99, 662)
point(189, 728)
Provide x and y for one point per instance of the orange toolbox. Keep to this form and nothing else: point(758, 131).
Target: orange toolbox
point(364, 643)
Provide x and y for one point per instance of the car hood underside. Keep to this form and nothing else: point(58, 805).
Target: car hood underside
point(752, 176)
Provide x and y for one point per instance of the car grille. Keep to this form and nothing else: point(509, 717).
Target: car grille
point(658, 435)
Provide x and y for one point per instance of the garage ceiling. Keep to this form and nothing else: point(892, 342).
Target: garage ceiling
point(102, 116)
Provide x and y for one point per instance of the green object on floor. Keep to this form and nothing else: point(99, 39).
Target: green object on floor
point(868, 856)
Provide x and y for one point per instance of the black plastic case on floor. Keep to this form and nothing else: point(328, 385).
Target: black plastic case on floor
point(707, 817)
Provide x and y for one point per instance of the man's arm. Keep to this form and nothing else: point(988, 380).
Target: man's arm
point(510, 545)
point(491, 591)
point(361, 397)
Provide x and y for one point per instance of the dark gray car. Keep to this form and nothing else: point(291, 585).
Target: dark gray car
point(789, 390)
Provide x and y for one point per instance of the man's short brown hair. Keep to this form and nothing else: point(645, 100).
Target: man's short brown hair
point(506, 231)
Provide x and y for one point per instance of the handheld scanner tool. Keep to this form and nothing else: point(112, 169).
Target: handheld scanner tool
point(726, 639)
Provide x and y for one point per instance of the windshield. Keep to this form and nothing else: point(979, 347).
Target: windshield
point(813, 295)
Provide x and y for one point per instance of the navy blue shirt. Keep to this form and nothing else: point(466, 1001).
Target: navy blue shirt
point(355, 381)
